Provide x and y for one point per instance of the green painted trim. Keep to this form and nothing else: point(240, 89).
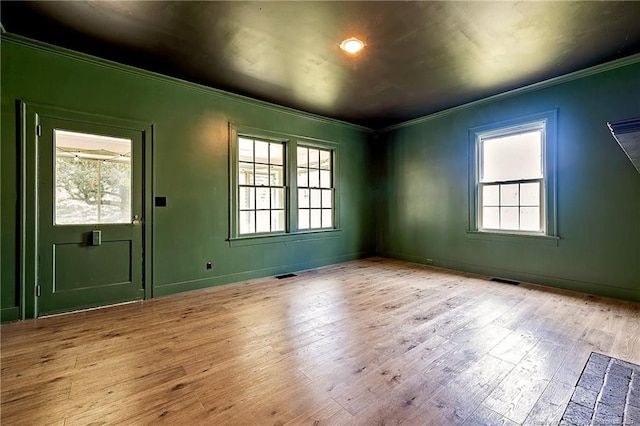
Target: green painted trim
point(30, 113)
point(321, 234)
point(587, 72)
point(148, 190)
point(541, 280)
point(549, 240)
point(179, 287)
point(10, 314)
point(94, 60)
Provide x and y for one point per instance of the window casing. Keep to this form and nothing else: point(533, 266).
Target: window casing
point(315, 187)
point(280, 185)
point(512, 177)
point(261, 186)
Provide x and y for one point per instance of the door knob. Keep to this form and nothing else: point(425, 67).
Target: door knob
point(136, 220)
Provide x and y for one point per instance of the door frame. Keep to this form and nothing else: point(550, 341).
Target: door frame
point(30, 114)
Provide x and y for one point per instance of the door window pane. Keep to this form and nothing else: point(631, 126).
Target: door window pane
point(92, 178)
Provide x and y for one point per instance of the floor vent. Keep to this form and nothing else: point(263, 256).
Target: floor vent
point(283, 276)
point(504, 281)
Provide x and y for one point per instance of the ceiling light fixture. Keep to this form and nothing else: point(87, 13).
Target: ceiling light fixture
point(352, 45)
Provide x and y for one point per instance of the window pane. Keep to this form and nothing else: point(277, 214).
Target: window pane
point(247, 224)
point(247, 198)
point(262, 198)
point(530, 218)
point(314, 178)
point(303, 157)
point(491, 217)
point(325, 160)
point(115, 205)
point(92, 178)
point(262, 175)
point(276, 153)
point(530, 194)
point(303, 177)
point(327, 198)
point(327, 218)
point(277, 175)
point(512, 157)
point(303, 197)
point(263, 221)
point(509, 195)
point(262, 152)
point(325, 179)
point(277, 198)
point(245, 174)
point(245, 149)
point(315, 219)
point(491, 195)
point(277, 220)
point(303, 218)
point(75, 200)
point(509, 218)
point(314, 158)
point(315, 198)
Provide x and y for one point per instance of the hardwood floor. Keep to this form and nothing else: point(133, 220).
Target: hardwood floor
point(368, 342)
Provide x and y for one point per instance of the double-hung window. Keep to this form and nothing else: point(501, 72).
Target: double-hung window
point(261, 186)
point(280, 184)
point(315, 188)
point(513, 176)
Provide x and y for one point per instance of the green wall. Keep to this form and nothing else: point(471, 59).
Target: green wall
point(424, 189)
point(420, 170)
point(190, 167)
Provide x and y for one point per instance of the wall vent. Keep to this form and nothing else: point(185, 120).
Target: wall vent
point(283, 276)
point(504, 281)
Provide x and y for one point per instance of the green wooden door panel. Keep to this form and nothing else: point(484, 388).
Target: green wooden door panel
point(90, 270)
point(74, 271)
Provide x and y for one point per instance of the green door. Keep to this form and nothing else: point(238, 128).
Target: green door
point(89, 213)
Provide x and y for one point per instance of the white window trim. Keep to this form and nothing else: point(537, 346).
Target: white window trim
point(548, 121)
point(291, 232)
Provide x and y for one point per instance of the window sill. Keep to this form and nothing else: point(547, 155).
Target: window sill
point(319, 234)
point(548, 240)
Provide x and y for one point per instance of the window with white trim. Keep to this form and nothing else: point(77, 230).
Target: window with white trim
point(280, 185)
point(315, 187)
point(261, 186)
point(513, 171)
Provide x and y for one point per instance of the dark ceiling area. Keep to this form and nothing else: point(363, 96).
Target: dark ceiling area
point(420, 57)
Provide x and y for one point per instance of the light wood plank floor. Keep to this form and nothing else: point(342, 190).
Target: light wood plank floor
point(368, 342)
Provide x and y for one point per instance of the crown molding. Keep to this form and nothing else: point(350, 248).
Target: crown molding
point(586, 72)
point(105, 63)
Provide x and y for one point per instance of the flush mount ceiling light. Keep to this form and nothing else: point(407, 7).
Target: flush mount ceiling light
point(352, 45)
